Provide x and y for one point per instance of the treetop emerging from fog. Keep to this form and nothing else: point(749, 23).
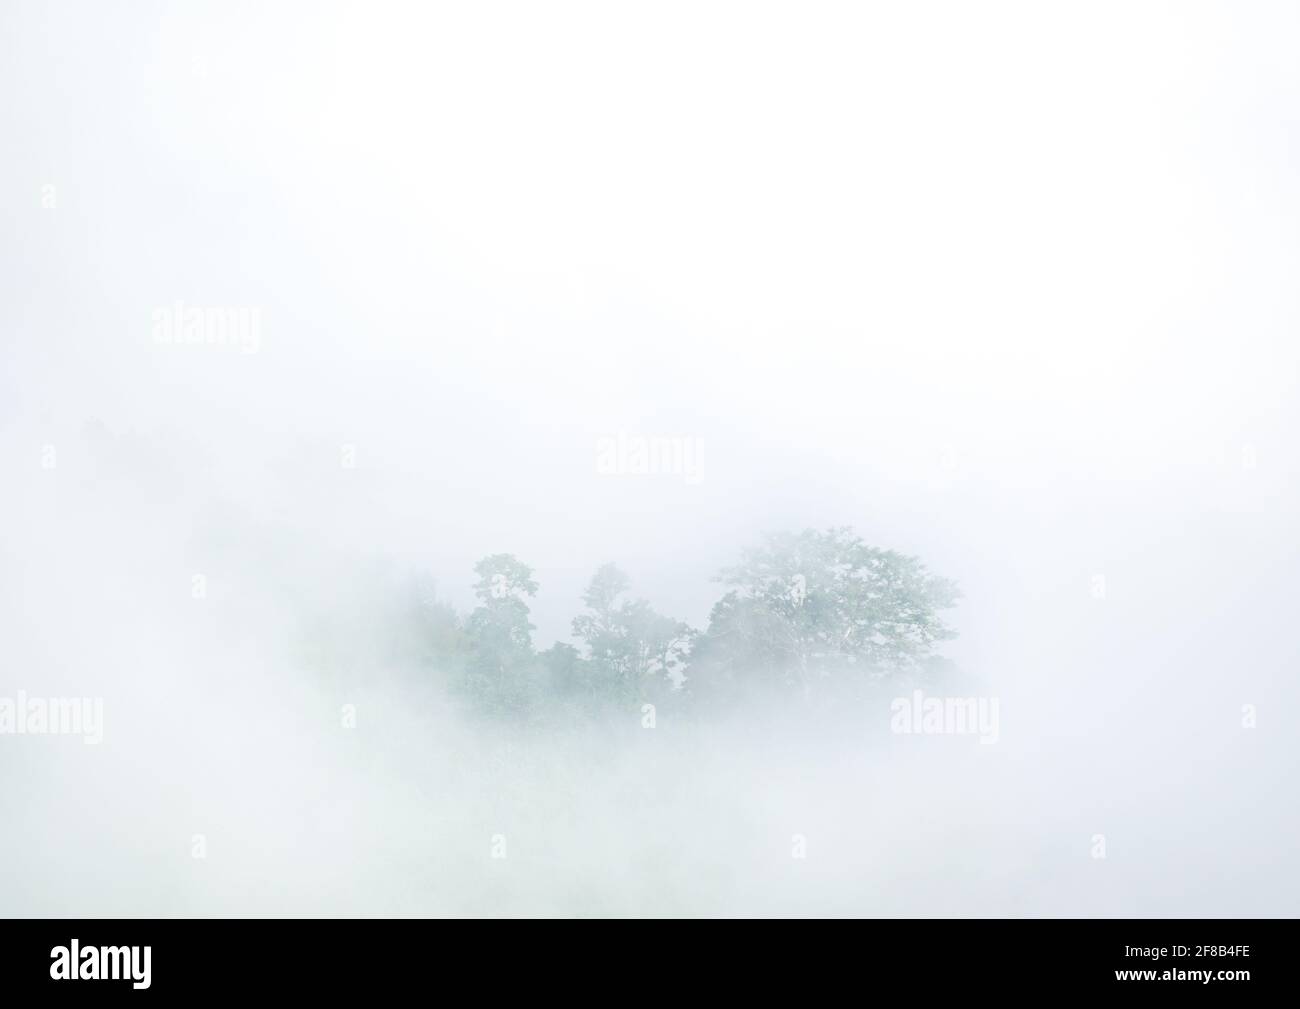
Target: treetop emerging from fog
point(806, 614)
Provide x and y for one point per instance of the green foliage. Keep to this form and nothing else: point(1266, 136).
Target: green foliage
point(804, 615)
point(633, 653)
point(810, 606)
point(500, 672)
point(435, 632)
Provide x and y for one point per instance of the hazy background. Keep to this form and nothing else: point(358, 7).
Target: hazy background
point(1008, 286)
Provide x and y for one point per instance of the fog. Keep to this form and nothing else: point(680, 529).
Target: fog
point(1006, 287)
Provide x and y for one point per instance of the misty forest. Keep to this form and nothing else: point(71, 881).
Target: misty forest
point(804, 621)
point(583, 459)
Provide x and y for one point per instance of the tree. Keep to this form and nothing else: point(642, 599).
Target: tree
point(500, 670)
point(435, 636)
point(814, 605)
point(632, 651)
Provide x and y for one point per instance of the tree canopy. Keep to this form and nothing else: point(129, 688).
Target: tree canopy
point(803, 614)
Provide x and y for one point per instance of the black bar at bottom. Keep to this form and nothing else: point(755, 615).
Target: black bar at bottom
point(372, 958)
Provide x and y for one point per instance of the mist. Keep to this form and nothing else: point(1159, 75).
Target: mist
point(308, 308)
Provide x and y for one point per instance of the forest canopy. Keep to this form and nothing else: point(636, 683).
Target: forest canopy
point(803, 615)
